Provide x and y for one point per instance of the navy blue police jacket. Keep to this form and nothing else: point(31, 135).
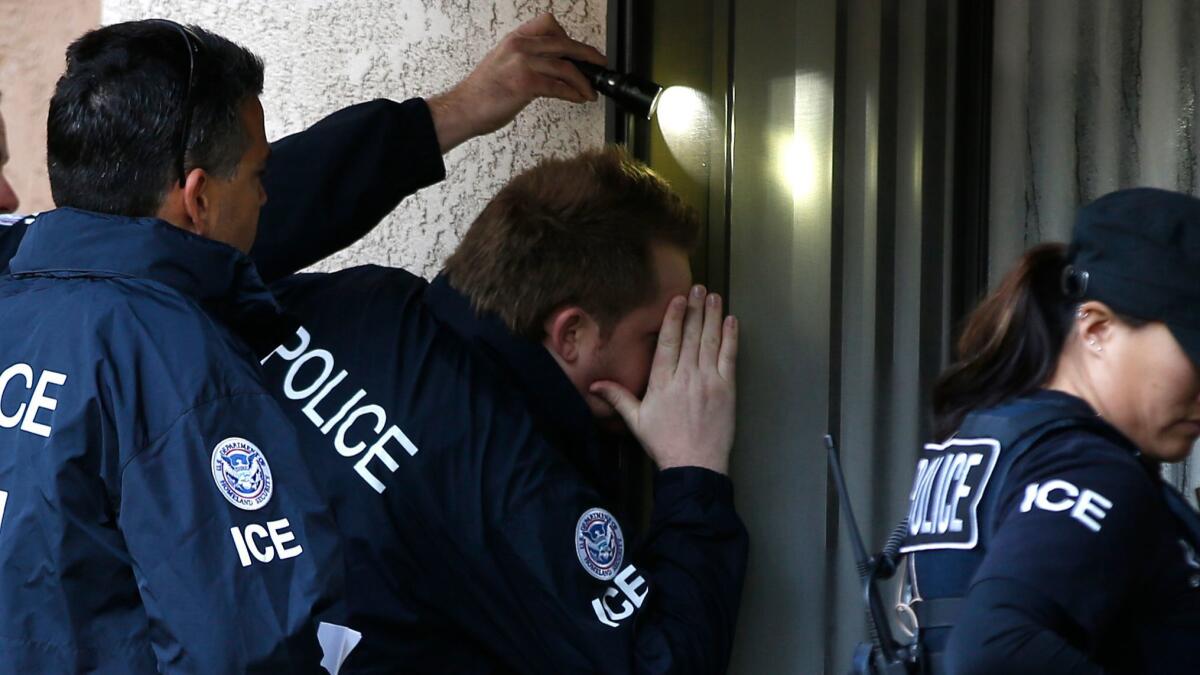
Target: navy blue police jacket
point(1058, 547)
point(468, 478)
point(156, 514)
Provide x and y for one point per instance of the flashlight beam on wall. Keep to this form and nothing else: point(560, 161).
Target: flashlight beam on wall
point(637, 95)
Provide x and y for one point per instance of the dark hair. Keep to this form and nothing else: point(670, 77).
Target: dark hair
point(117, 111)
point(571, 231)
point(1012, 340)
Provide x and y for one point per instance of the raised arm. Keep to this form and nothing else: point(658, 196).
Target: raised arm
point(331, 184)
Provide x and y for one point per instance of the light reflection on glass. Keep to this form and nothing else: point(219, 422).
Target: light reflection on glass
point(687, 122)
point(801, 153)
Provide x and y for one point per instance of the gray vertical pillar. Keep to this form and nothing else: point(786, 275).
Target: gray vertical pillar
point(860, 322)
point(780, 284)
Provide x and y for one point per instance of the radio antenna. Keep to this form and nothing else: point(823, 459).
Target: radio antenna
point(896, 658)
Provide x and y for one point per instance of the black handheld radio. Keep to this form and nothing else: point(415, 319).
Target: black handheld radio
point(883, 655)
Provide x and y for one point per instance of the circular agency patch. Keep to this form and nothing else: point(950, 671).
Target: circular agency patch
point(599, 543)
point(242, 473)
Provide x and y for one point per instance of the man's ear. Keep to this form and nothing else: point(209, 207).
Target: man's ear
point(189, 207)
point(198, 203)
point(568, 331)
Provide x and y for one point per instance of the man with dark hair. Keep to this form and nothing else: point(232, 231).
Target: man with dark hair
point(455, 425)
point(155, 511)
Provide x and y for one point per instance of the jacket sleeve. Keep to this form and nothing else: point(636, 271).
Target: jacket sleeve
point(1070, 527)
point(1008, 628)
point(555, 584)
point(330, 184)
point(234, 556)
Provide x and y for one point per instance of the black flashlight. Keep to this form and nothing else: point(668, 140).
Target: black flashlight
point(638, 95)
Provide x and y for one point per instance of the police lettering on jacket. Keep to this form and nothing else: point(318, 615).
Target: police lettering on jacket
point(944, 501)
point(357, 426)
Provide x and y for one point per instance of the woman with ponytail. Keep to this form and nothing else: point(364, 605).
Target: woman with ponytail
point(1042, 538)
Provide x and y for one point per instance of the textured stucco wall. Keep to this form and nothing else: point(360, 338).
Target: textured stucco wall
point(324, 54)
point(33, 39)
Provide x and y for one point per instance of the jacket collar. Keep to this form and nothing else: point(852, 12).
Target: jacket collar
point(70, 242)
point(557, 406)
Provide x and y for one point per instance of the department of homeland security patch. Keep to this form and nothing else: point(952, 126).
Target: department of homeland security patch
point(242, 473)
point(599, 543)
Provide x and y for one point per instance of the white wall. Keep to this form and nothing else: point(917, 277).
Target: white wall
point(322, 55)
point(33, 42)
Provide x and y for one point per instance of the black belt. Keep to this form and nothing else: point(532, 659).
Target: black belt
point(937, 612)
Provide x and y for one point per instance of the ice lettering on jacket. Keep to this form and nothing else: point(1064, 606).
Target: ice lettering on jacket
point(630, 587)
point(1086, 506)
point(41, 399)
point(265, 542)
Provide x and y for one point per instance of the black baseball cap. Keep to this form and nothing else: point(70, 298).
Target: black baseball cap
point(1138, 251)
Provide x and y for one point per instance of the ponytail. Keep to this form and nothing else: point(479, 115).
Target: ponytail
point(1011, 342)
